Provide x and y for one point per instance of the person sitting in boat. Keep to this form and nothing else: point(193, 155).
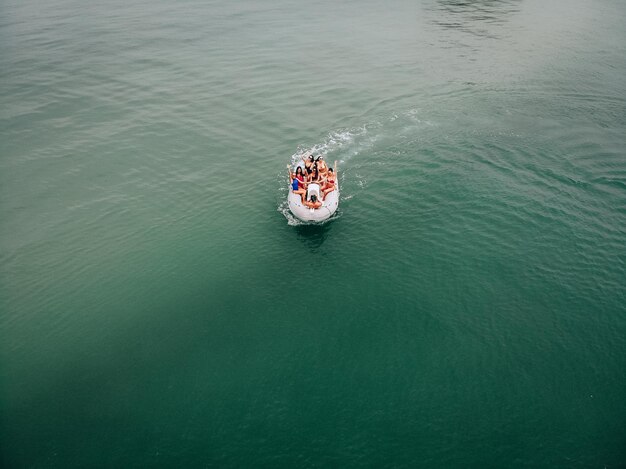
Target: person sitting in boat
point(321, 165)
point(298, 183)
point(314, 176)
point(300, 176)
point(313, 203)
point(308, 163)
point(329, 183)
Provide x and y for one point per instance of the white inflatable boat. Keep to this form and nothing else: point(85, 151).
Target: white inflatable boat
point(304, 213)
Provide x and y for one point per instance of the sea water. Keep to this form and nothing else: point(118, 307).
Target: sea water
point(159, 307)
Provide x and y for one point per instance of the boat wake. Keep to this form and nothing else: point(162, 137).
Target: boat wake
point(343, 145)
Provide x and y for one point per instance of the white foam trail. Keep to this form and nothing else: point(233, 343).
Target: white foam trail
point(291, 220)
point(337, 141)
point(344, 144)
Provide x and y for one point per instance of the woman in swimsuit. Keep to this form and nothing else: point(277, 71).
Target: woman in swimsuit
point(313, 203)
point(300, 176)
point(321, 165)
point(297, 182)
point(329, 184)
point(315, 176)
point(308, 163)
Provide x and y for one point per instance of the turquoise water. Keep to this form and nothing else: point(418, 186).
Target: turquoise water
point(160, 307)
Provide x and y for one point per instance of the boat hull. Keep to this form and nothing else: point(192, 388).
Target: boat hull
point(304, 213)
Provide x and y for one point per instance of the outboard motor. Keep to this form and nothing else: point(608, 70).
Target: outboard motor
point(314, 189)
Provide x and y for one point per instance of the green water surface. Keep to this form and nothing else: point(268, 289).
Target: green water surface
point(159, 306)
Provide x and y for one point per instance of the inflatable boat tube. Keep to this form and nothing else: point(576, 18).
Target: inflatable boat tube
point(304, 213)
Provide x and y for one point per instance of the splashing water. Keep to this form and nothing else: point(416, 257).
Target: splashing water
point(342, 145)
